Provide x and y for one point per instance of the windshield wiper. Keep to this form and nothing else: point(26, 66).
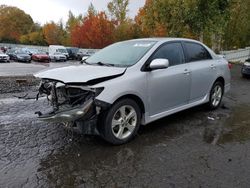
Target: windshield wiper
point(104, 64)
point(85, 62)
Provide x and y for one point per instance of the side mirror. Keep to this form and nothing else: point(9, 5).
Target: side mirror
point(159, 64)
point(84, 59)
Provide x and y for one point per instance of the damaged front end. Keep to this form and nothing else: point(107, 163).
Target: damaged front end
point(72, 104)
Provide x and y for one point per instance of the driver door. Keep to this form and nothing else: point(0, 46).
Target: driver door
point(169, 88)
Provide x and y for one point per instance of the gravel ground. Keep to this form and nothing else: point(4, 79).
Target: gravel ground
point(194, 148)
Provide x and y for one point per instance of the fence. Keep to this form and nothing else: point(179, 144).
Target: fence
point(239, 55)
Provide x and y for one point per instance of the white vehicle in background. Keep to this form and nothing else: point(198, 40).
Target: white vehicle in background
point(57, 56)
point(58, 48)
point(4, 57)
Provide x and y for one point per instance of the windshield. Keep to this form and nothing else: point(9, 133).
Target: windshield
point(21, 53)
point(61, 50)
point(122, 54)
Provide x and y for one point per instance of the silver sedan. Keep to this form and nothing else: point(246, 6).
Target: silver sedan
point(133, 83)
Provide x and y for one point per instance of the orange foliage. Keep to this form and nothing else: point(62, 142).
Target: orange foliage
point(96, 31)
point(160, 31)
point(52, 34)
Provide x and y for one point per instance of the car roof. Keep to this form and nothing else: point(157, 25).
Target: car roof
point(165, 39)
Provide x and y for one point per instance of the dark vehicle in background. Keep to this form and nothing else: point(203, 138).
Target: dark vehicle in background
point(72, 51)
point(21, 56)
point(79, 55)
point(245, 70)
point(12, 53)
point(30, 51)
point(4, 57)
point(40, 56)
point(82, 54)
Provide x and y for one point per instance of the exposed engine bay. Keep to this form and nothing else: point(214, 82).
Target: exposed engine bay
point(71, 103)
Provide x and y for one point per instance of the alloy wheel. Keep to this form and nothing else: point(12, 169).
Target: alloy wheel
point(216, 95)
point(124, 122)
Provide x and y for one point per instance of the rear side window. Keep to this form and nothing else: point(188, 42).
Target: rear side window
point(196, 52)
point(171, 51)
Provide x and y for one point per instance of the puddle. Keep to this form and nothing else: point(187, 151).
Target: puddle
point(239, 126)
point(234, 129)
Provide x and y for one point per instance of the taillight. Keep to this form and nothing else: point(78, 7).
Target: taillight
point(230, 65)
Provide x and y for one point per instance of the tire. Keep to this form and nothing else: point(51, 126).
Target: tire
point(216, 95)
point(121, 122)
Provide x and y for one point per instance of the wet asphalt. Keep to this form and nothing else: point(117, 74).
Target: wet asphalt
point(193, 148)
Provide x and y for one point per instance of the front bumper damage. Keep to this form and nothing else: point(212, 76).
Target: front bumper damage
point(72, 104)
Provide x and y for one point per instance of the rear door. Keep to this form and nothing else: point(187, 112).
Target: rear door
point(168, 88)
point(203, 70)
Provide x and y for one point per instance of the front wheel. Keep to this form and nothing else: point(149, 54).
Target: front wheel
point(216, 95)
point(121, 122)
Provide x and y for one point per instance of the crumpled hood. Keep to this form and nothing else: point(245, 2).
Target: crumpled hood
point(80, 74)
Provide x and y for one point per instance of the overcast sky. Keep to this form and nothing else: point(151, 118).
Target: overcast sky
point(43, 11)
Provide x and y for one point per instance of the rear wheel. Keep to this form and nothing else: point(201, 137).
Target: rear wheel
point(121, 122)
point(216, 95)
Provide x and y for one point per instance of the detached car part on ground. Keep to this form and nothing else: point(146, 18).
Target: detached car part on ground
point(132, 83)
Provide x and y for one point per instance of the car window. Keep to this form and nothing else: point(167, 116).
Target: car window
point(196, 52)
point(172, 51)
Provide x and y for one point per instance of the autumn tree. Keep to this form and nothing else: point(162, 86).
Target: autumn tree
point(13, 23)
point(53, 33)
point(96, 31)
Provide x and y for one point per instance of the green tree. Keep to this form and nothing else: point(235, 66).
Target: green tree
point(237, 31)
point(118, 10)
point(163, 17)
point(13, 23)
point(72, 21)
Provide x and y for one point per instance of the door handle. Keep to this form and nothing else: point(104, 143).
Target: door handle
point(186, 71)
point(212, 66)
